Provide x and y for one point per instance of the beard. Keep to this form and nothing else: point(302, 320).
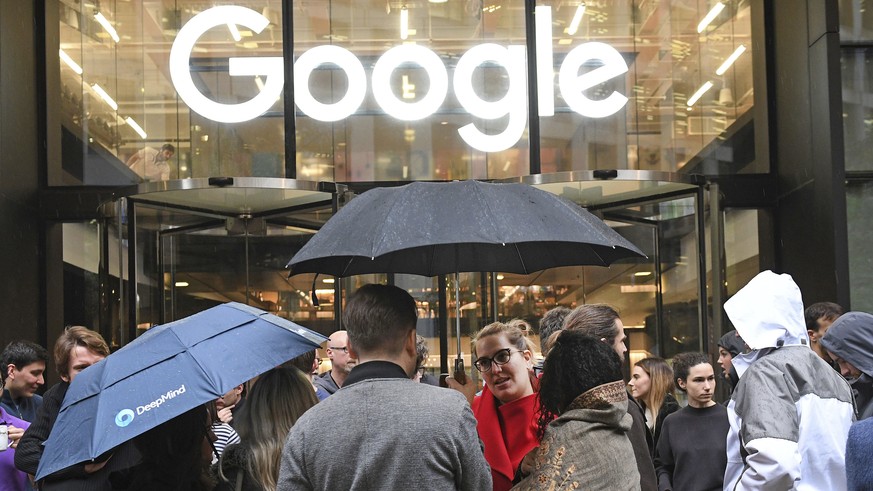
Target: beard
point(349, 365)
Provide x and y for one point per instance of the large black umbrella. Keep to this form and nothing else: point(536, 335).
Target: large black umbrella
point(432, 229)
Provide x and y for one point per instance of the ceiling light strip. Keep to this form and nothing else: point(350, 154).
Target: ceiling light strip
point(69, 61)
point(234, 32)
point(731, 59)
point(713, 13)
point(102, 93)
point(136, 127)
point(103, 21)
point(697, 95)
point(577, 19)
point(404, 22)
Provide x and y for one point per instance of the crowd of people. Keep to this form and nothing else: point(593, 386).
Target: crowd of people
point(798, 415)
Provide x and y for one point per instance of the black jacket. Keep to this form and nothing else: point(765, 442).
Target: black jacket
point(73, 478)
point(233, 465)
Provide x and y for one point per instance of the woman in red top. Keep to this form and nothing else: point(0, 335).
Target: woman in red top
point(506, 409)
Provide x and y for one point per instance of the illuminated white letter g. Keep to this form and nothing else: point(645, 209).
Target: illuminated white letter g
point(180, 58)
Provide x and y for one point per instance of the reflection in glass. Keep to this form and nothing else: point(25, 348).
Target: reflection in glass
point(117, 99)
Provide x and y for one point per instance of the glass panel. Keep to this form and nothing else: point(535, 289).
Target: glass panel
point(859, 213)
point(119, 107)
point(742, 247)
point(200, 261)
point(367, 143)
point(856, 21)
point(857, 76)
point(681, 100)
point(84, 288)
point(680, 276)
point(628, 285)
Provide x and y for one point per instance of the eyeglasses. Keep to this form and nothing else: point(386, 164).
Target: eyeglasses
point(344, 349)
point(502, 357)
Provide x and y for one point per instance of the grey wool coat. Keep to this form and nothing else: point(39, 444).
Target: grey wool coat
point(385, 433)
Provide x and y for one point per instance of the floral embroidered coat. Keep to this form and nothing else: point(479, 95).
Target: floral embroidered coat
point(587, 446)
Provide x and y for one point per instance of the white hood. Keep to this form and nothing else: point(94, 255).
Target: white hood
point(767, 313)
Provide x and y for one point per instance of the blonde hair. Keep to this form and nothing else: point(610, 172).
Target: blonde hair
point(661, 383)
point(276, 401)
point(516, 332)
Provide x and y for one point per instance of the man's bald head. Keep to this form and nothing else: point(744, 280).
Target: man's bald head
point(338, 352)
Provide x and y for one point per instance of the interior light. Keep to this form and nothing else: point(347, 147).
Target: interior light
point(438, 1)
point(136, 127)
point(713, 13)
point(404, 22)
point(181, 284)
point(328, 280)
point(643, 273)
point(731, 59)
point(697, 95)
point(407, 89)
point(638, 288)
point(577, 19)
point(69, 62)
point(545, 64)
point(500, 277)
point(102, 93)
point(103, 21)
point(234, 32)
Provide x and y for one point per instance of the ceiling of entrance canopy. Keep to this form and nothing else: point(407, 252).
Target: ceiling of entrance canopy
point(601, 189)
point(279, 206)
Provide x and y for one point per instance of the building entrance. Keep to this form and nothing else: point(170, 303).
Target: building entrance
point(200, 242)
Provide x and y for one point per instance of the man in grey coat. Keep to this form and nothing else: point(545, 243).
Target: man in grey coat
point(382, 430)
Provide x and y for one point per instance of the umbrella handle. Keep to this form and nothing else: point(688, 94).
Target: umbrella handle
point(458, 310)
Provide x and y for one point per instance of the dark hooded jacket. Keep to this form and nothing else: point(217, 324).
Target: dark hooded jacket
point(850, 337)
point(734, 345)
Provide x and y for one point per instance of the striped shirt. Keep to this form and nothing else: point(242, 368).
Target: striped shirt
point(225, 435)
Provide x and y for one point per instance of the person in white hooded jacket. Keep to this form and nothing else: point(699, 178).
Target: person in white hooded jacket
point(790, 412)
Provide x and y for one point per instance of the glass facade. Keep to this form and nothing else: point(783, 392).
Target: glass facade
point(367, 94)
point(405, 91)
point(856, 37)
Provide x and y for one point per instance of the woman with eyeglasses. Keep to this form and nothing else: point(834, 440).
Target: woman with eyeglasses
point(506, 409)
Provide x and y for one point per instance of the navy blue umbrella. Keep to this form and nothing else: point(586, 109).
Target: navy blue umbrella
point(165, 372)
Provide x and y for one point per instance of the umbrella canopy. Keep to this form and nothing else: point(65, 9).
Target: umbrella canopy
point(165, 372)
point(432, 229)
